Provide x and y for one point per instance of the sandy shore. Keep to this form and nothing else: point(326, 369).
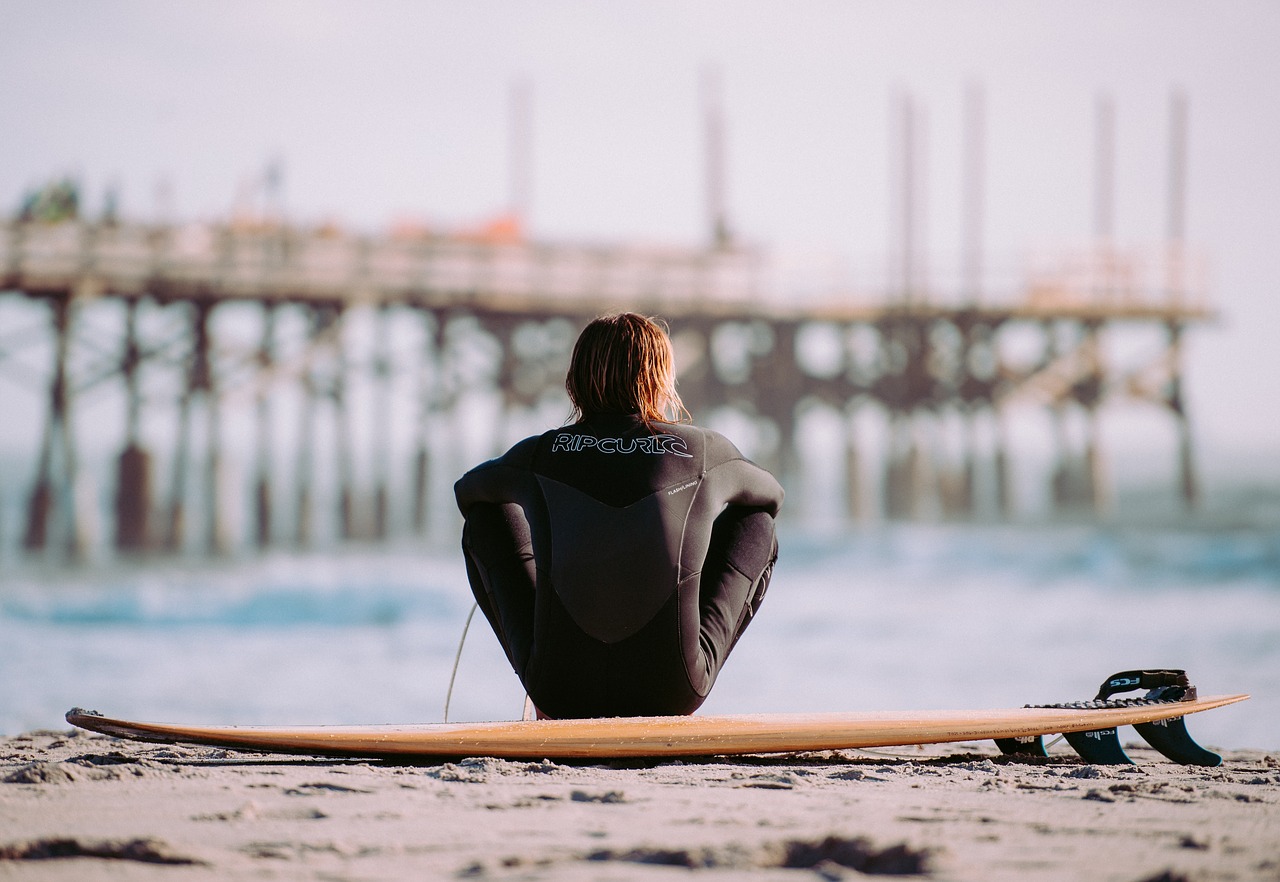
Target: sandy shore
point(77, 805)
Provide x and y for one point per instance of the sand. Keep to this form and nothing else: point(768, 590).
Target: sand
point(84, 806)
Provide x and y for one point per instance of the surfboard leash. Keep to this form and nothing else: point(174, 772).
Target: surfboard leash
point(1166, 685)
point(453, 675)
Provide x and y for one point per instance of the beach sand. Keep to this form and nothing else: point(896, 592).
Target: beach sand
point(85, 806)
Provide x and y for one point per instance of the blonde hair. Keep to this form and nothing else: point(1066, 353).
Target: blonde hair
point(623, 363)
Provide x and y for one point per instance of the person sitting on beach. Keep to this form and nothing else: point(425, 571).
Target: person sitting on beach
point(619, 559)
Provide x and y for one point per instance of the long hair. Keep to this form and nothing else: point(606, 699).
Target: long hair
point(623, 364)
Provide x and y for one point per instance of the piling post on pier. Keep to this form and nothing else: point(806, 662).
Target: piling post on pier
point(305, 458)
point(978, 386)
point(343, 451)
point(324, 336)
point(201, 388)
point(968, 502)
point(1076, 376)
point(906, 469)
point(1188, 482)
point(503, 329)
point(133, 473)
point(1003, 480)
point(1090, 394)
point(697, 380)
point(430, 392)
point(855, 492)
point(265, 362)
point(1060, 477)
point(53, 497)
point(175, 527)
point(779, 391)
point(382, 422)
point(906, 387)
point(218, 538)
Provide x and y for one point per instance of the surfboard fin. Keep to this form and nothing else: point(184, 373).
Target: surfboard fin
point(1171, 738)
point(1100, 747)
point(1027, 745)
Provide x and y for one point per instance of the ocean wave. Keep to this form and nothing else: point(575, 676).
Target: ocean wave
point(284, 592)
point(267, 607)
point(1119, 559)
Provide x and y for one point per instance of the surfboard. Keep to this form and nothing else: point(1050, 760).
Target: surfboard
point(621, 737)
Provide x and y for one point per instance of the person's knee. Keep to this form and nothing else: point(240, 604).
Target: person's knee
point(496, 532)
point(750, 543)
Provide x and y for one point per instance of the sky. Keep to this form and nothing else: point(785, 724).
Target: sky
point(382, 111)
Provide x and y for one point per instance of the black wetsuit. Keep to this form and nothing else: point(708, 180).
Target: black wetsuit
point(617, 563)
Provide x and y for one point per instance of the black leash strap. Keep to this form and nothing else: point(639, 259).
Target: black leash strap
point(1162, 679)
point(1163, 685)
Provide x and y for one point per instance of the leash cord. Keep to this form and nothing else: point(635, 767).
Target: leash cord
point(448, 697)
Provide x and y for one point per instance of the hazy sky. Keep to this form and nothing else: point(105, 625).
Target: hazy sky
point(384, 110)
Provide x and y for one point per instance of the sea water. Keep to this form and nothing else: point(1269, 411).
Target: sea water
point(883, 617)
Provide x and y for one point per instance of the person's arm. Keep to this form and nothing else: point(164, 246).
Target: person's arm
point(498, 481)
point(736, 480)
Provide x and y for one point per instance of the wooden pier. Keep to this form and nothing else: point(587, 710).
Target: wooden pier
point(744, 341)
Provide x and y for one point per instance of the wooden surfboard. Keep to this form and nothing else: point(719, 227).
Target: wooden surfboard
point(617, 737)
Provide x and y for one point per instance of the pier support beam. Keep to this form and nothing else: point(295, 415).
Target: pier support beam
point(133, 499)
point(262, 481)
point(53, 498)
point(343, 454)
point(324, 333)
point(1091, 393)
point(382, 420)
point(201, 386)
point(133, 473)
point(969, 474)
point(776, 387)
point(855, 492)
point(1004, 481)
point(305, 458)
point(432, 391)
point(382, 375)
point(1188, 480)
point(904, 484)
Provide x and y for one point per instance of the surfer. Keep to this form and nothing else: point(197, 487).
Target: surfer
point(619, 558)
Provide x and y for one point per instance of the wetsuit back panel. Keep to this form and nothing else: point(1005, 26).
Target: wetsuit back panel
point(613, 567)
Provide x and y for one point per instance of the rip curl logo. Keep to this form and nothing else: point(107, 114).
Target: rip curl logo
point(653, 444)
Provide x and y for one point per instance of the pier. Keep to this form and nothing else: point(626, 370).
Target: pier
point(237, 340)
point(499, 316)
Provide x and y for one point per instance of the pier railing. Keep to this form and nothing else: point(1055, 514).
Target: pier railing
point(285, 264)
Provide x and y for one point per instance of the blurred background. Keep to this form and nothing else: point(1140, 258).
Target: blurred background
point(991, 286)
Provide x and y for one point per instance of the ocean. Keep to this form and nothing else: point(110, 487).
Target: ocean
point(871, 618)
